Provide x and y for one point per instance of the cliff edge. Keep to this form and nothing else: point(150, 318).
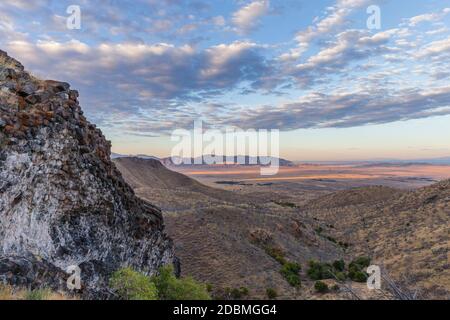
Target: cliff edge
point(62, 201)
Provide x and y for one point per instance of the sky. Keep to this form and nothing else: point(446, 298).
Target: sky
point(335, 88)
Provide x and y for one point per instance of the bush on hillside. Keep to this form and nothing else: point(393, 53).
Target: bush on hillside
point(133, 285)
point(290, 271)
point(319, 271)
point(271, 293)
point(339, 265)
point(356, 269)
point(171, 288)
point(321, 287)
point(277, 254)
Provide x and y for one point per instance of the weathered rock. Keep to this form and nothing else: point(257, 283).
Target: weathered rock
point(62, 200)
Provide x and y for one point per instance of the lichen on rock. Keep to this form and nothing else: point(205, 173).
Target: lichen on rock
point(62, 200)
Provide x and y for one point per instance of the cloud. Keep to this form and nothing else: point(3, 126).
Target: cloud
point(335, 18)
point(428, 17)
point(246, 19)
point(350, 109)
point(349, 46)
point(219, 21)
point(165, 63)
point(142, 76)
point(24, 4)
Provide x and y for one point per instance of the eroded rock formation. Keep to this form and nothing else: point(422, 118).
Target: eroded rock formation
point(62, 201)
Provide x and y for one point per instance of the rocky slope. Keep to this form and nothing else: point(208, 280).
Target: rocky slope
point(408, 233)
point(62, 201)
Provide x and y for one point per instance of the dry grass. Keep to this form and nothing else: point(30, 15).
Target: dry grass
point(9, 293)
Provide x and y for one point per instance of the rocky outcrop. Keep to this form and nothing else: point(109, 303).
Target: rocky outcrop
point(62, 201)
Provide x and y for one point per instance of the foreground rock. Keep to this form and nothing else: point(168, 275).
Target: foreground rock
point(62, 201)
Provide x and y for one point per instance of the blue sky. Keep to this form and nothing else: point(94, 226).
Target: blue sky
point(312, 69)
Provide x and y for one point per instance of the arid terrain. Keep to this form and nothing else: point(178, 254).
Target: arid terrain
point(224, 219)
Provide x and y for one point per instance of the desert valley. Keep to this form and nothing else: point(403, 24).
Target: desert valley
point(224, 218)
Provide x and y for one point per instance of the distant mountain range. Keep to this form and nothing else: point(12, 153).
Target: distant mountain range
point(198, 161)
point(382, 162)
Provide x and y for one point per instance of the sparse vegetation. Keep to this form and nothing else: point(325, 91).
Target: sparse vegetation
point(290, 272)
point(261, 237)
point(329, 238)
point(343, 245)
point(38, 294)
point(340, 276)
point(335, 288)
point(277, 254)
point(8, 292)
point(285, 204)
point(232, 293)
point(321, 287)
point(238, 294)
point(339, 265)
point(133, 285)
point(336, 270)
point(356, 269)
point(319, 271)
point(171, 288)
point(271, 293)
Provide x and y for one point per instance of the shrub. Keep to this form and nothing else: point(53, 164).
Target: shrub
point(335, 288)
point(237, 294)
point(344, 245)
point(321, 287)
point(340, 276)
point(319, 271)
point(261, 237)
point(356, 269)
point(362, 262)
point(133, 285)
point(271, 293)
point(339, 265)
point(171, 288)
point(277, 254)
point(358, 276)
point(244, 291)
point(38, 294)
point(290, 272)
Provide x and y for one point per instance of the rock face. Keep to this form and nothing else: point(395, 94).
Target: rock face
point(62, 201)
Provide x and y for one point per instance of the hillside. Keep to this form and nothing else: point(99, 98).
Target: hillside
point(406, 232)
point(220, 237)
